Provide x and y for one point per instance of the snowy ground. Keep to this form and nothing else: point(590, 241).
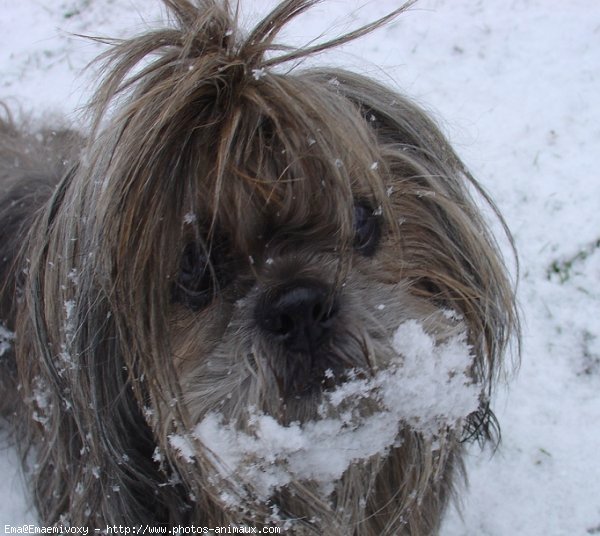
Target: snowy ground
point(516, 85)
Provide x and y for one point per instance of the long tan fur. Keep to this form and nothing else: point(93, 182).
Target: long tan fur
point(204, 135)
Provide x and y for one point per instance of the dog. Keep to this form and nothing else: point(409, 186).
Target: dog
point(248, 294)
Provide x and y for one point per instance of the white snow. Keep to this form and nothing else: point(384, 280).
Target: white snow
point(426, 388)
point(516, 87)
point(65, 358)
point(6, 338)
point(189, 218)
point(257, 74)
point(183, 445)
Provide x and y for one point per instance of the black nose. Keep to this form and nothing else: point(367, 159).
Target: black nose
point(299, 316)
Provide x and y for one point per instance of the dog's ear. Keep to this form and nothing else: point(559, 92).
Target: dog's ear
point(448, 252)
point(32, 162)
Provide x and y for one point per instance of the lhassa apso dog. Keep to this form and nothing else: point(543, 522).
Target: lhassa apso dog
point(248, 294)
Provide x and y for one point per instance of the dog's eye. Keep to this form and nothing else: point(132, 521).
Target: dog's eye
point(199, 276)
point(367, 229)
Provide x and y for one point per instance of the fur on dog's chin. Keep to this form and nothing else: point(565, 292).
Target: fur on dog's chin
point(245, 274)
point(265, 445)
point(354, 433)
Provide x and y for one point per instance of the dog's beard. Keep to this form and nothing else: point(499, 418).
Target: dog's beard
point(316, 435)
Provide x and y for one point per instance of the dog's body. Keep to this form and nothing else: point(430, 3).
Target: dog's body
point(236, 257)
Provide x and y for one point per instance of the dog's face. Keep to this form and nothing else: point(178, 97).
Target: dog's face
point(246, 267)
point(276, 326)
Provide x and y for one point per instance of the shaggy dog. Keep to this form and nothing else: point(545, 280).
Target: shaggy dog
point(249, 295)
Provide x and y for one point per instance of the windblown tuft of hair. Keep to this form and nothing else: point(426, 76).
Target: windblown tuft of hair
point(199, 119)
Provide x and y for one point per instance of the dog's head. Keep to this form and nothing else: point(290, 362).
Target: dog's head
point(261, 295)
